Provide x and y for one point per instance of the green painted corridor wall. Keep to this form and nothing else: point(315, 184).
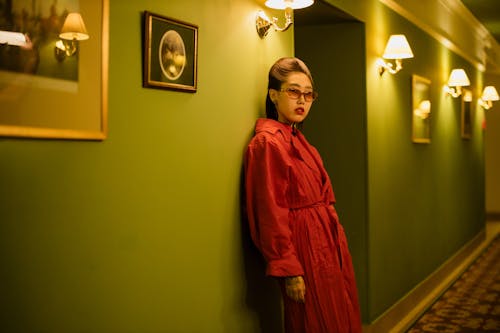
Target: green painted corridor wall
point(336, 126)
point(424, 201)
point(142, 232)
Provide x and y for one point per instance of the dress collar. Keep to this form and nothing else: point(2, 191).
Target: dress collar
point(274, 126)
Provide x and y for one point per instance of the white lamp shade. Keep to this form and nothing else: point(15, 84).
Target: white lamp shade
point(490, 94)
point(74, 28)
point(294, 4)
point(458, 78)
point(397, 48)
point(12, 38)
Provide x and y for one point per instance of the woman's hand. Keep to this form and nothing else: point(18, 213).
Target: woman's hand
point(295, 288)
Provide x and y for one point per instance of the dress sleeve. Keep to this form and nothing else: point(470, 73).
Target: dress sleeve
point(266, 180)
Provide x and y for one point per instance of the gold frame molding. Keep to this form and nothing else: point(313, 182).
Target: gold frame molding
point(466, 114)
point(80, 98)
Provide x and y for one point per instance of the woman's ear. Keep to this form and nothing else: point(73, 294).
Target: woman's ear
point(273, 94)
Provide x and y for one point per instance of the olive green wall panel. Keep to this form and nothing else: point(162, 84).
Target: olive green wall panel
point(142, 232)
point(336, 126)
point(425, 201)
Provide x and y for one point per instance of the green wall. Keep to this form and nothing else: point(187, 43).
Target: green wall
point(336, 126)
point(142, 232)
point(425, 201)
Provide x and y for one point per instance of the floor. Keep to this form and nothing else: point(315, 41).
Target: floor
point(470, 304)
point(492, 230)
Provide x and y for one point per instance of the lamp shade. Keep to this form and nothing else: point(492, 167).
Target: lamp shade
point(74, 28)
point(397, 48)
point(458, 78)
point(294, 4)
point(490, 94)
point(12, 38)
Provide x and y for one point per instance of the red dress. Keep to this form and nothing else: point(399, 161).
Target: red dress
point(296, 228)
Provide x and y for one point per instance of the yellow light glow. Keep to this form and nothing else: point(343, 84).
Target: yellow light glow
point(425, 106)
point(424, 109)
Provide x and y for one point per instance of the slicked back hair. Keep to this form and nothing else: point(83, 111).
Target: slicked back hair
point(278, 74)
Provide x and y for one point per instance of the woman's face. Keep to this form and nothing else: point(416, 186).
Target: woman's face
point(290, 100)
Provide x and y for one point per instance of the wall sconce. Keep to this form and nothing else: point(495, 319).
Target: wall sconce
point(72, 32)
point(458, 79)
point(264, 23)
point(397, 48)
point(489, 96)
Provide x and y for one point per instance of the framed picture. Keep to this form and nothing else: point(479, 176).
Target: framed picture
point(466, 127)
point(170, 53)
point(49, 94)
point(421, 109)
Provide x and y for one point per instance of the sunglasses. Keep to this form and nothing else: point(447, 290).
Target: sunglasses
point(293, 93)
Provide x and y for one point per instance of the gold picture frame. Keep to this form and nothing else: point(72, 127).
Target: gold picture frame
point(170, 53)
point(44, 107)
point(421, 109)
point(466, 114)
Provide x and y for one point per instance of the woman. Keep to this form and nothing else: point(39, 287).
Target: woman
point(291, 214)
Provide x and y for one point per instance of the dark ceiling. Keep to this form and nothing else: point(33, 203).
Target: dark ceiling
point(488, 13)
point(321, 13)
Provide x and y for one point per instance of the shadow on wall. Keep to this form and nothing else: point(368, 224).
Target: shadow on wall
point(263, 295)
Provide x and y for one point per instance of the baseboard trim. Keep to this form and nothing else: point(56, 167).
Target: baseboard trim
point(405, 312)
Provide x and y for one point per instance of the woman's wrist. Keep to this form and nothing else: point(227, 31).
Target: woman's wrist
point(292, 279)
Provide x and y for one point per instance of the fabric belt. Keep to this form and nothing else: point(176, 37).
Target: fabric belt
point(313, 205)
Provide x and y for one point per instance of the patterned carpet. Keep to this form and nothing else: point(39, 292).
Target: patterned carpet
point(472, 303)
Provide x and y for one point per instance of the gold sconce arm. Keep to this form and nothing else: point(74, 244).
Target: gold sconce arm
point(389, 67)
point(263, 23)
point(453, 92)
